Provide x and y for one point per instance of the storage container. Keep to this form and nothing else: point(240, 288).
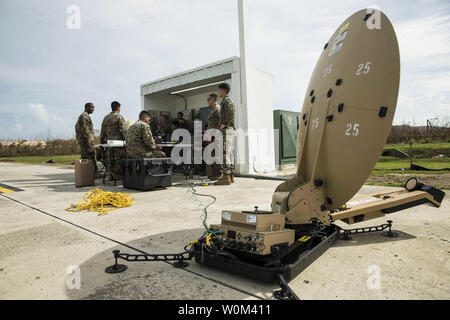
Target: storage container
point(147, 174)
point(84, 173)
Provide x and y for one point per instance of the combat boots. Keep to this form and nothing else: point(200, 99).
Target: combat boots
point(98, 175)
point(224, 181)
point(209, 171)
point(218, 176)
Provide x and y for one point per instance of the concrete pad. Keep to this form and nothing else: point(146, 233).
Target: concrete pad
point(37, 249)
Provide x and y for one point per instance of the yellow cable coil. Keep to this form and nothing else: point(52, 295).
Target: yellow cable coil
point(208, 241)
point(98, 201)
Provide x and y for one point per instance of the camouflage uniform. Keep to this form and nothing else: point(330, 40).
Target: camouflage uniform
point(84, 130)
point(214, 117)
point(164, 128)
point(140, 142)
point(227, 114)
point(113, 128)
point(180, 125)
point(213, 123)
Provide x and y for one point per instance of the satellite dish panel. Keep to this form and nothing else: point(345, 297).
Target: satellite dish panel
point(349, 106)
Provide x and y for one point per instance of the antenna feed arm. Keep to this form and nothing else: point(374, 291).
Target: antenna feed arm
point(377, 205)
point(306, 203)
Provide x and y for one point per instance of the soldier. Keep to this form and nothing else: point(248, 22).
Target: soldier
point(214, 171)
point(180, 122)
point(140, 142)
point(164, 128)
point(226, 125)
point(214, 111)
point(85, 135)
point(113, 128)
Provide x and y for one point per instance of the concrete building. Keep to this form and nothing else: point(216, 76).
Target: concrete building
point(187, 92)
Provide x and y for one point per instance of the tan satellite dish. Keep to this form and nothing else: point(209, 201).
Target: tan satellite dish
point(347, 115)
point(350, 111)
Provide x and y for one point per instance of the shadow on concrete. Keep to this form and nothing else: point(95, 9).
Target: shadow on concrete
point(371, 238)
point(45, 178)
point(64, 182)
point(160, 280)
point(60, 182)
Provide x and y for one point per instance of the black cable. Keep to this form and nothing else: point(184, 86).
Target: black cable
point(130, 247)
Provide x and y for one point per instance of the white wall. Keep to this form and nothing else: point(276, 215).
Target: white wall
point(194, 102)
point(260, 120)
point(254, 151)
point(160, 102)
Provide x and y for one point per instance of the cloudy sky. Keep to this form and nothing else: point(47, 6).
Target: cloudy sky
point(48, 71)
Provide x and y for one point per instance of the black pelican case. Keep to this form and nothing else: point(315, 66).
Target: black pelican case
point(147, 174)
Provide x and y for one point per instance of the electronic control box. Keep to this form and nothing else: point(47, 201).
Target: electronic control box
point(254, 232)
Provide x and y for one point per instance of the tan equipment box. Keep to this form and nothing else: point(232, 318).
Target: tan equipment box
point(254, 233)
point(253, 221)
point(84, 173)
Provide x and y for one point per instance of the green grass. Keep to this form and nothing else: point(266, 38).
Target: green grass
point(59, 160)
point(433, 145)
point(391, 163)
point(388, 170)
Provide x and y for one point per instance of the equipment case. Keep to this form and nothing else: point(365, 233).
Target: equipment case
point(147, 174)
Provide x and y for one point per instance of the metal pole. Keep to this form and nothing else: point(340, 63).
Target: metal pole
point(242, 17)
point(242, 11)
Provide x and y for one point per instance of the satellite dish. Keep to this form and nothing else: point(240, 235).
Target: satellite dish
point(347, 114)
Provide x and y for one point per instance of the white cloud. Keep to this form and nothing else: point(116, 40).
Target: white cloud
point(40, 112)
point(425, 56)
point(424, 37)
point(17, 127)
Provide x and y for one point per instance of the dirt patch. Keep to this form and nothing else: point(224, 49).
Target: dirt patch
point(441, 180)
point(430, 153)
